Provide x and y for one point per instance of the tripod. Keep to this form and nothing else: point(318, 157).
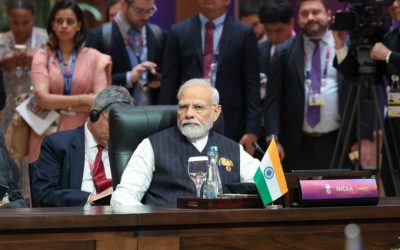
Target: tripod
point(364, 82)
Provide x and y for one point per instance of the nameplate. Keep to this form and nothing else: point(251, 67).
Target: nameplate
point(338, 192)
point(229, 201)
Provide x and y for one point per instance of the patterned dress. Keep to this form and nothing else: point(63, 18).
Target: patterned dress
point(17, 81)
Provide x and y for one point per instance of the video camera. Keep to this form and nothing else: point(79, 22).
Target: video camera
point(367, 23)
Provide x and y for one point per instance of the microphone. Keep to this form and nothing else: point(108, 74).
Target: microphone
point(257, 147)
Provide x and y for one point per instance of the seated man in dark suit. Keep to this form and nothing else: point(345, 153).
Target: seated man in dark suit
point(157, 171)
point(73, 167)
point(9, 175)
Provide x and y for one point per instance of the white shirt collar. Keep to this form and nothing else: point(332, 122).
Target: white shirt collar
point(326, 39)
point(124, 25)
point(219, 21)
point(200, 143)
point(90, 141)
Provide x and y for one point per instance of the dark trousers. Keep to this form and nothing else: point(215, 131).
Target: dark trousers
point(315, 152)
point(390, 177)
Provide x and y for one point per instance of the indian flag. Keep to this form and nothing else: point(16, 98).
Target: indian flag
point(269, 178)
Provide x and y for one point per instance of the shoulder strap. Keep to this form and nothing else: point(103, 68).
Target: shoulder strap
point(106, 38)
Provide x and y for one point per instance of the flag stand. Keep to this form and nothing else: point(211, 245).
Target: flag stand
point(269, 178)
point(272, 206)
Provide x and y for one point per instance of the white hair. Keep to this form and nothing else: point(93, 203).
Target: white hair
point(200, 82)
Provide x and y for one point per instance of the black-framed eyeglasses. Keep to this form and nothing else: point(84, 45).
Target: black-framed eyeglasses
point(143, 12)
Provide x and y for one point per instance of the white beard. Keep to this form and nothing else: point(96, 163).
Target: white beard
point(195, 132)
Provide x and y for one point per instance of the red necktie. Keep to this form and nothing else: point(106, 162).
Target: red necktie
point(99, 175)
point(208, 49)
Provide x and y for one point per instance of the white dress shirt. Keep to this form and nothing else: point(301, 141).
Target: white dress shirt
point(138, 174)
point(330, 117)
point(90, 156)
point(219, 26)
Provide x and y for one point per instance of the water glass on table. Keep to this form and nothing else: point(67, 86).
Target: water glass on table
point(197, 170)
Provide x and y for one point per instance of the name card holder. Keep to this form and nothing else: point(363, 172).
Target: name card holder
point(229, 201)
point(338, 192)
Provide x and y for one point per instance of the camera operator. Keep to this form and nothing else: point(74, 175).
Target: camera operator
point(386, 55)
point(306, 95)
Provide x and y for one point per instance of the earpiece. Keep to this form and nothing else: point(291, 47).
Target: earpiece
point(95, 114)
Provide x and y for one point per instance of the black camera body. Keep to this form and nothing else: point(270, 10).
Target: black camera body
point(367, 23)
point(155, 77)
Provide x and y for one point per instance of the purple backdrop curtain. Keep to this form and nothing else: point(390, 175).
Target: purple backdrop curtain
point(165, 15)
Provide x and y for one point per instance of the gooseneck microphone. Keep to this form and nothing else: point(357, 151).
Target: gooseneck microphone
point(257, 147)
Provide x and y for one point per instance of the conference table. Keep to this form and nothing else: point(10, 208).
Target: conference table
point(151, 227)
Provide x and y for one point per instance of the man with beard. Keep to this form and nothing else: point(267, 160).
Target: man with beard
point(131, 40)
point(306, 95)
point(157, 171)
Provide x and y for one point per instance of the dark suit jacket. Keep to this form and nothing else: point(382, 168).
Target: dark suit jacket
point(285, 102)
point(390, 154)
point(264, 56)
point(349, 66)
point(264, 59)
point(237, 71)
point(57, 175)
point(9, 176)
point(119, 54)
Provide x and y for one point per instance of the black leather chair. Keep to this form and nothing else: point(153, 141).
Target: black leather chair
point(129, 126)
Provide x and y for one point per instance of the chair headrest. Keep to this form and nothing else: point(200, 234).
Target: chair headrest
point(129, 126)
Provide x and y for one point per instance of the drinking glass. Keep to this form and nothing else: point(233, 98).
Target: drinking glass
point(197, 170)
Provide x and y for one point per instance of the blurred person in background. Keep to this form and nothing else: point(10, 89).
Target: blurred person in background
point(248, 14)
point(304, 106)
point(131, 41)
point(15, 61)
point(276, 17)
point(67, 77)
point(112, 10)
point(386, 55)
point(17, 47)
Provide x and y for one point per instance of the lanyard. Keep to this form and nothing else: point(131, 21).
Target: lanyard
point(137, 52)
point(67, 76)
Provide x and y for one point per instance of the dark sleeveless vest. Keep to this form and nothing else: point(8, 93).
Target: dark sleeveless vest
point(171, 153)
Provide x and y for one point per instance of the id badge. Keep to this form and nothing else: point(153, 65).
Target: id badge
point(393, 98)
point(394, 111)
point(316, 100)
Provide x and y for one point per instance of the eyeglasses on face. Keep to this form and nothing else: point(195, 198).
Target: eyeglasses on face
point(144, 12)
point(70, 21)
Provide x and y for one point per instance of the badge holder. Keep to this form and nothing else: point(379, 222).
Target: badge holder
point(393, 97)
